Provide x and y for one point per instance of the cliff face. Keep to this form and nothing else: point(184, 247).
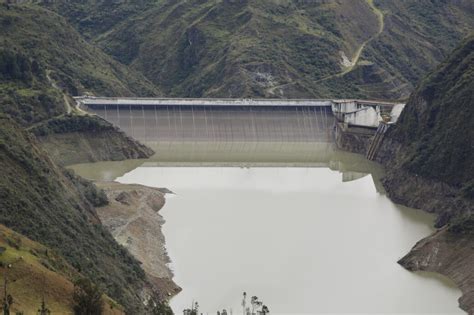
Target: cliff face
point(428, 156)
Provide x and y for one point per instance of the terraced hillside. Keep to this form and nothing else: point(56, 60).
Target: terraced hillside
point(276, 48)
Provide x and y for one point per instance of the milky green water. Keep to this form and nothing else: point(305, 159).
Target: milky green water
point(309, 231)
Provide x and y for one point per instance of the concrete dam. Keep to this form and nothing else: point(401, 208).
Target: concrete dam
point(288, 128)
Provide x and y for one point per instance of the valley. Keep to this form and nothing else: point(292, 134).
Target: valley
point(155, 154)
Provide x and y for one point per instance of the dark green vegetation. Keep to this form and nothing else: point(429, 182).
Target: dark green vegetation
point(276, 48)
point(43, 61)
point(87, 298)
point(24, 89)
point(51, 206)
point(76, 66)
point(436, 128)
point(433, 140)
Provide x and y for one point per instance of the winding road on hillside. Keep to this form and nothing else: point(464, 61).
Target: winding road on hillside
point(355, 59)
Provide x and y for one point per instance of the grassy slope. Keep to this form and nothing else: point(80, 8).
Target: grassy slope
point(42, 63)
point(235, 48)
point(46, 204)
point(419, 34)
point(276, 48)
point(75, 65)
point(37, 271)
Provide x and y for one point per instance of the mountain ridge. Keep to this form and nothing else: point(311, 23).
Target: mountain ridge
point(275, 48)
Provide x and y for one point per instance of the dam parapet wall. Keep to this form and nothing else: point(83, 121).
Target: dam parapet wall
point(353, 112)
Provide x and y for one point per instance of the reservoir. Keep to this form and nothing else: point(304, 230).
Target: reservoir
point(283, 216)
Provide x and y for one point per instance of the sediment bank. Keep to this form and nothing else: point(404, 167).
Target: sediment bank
point(133, 218)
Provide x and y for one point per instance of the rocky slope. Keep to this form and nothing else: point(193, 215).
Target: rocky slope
point(133, 219)
point(428, 156)
point(252, 48)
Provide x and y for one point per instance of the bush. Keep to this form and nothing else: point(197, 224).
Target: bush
point(87, 298)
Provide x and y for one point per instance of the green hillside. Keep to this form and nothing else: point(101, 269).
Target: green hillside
point(52, 206)
point(276, 48)
point(436, 128)
point(71, 63)
point(418, 35)
point(43, 62)
point(35, 271)
point(428, 154)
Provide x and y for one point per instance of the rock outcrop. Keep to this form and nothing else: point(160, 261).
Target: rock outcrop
point(133, 219)
point(428, 156)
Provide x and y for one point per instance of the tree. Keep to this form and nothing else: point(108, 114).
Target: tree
point(7, 303)
point(161, 308)
point(87, 298)
point(255, 303)
point(244, 302)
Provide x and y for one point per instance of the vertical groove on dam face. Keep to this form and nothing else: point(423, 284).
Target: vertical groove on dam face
point(221, 124)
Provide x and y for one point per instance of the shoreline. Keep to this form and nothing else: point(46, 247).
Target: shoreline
point(132, 217)
point(449, 251)
point(131, 204)
point(445, 251)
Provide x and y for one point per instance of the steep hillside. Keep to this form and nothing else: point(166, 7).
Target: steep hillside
point(54, 207)
point(435, 129)
point(43, 62)
point(74, 139)
point(428, 156)
point(417, 36)
point(72, 63)
point(434, 135)
point(35, 272)
point(289, 48)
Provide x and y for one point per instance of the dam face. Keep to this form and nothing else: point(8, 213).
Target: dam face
point(221, 123)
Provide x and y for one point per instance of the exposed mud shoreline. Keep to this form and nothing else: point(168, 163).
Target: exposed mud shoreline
point(133, 218)
point(447, 252)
